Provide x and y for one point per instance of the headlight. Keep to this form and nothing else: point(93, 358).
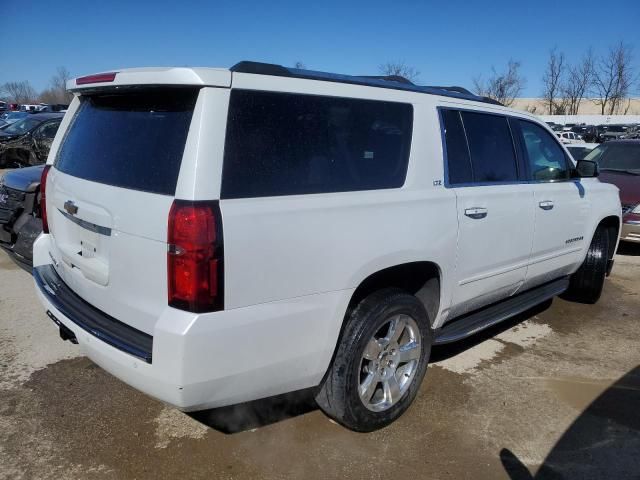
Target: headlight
point(636, 210)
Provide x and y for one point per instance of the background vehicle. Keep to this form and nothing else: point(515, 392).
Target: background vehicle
point(580, 150)
point(27, 141)
point(588, 132)
point(569, 137)
point(20, 222)
point(29, 108)
point(264, 229)
point(614, 132)
point(619, 162)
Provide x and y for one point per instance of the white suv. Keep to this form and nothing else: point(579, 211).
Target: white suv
point(215, 236)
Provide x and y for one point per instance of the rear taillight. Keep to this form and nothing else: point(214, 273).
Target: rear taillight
point(43, 198)
point(194, 256)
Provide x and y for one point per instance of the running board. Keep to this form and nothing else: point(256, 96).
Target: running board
point(467, 325)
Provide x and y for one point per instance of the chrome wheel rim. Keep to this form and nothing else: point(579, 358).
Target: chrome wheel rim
point(389, 363)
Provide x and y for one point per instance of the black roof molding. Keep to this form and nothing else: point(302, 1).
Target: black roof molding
point(394, 82)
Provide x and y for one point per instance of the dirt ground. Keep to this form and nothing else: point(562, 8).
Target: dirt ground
point(552, 394)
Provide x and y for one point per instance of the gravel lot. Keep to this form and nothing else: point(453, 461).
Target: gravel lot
point(553, 394)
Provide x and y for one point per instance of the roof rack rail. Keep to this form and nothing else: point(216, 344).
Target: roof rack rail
point(394, 82)
point(389, 78)
point(453, 89)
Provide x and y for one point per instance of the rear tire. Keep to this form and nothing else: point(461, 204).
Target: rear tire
point(380, 361)
point(587, 282)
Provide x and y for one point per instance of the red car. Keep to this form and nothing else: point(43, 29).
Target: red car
point(619, 163)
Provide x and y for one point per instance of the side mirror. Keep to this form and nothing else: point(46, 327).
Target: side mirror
point(586, 169)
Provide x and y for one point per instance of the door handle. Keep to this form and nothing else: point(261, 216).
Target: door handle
point(476, 213)
point(546, 205)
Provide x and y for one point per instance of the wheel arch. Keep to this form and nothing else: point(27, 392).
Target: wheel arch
point(611, 224)
point(421, 278)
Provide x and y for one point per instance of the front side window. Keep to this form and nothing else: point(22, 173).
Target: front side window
point(48, 130)
point(292, 144)
point(545, 157)
point(493, 156)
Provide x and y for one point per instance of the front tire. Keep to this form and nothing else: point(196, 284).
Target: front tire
point(379, 363)
point(587, 282)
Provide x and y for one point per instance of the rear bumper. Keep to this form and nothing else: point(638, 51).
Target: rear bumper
point(89, 318)
point(630, 231)
point(210, 360)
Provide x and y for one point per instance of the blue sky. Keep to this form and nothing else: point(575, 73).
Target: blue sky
point(449, 42)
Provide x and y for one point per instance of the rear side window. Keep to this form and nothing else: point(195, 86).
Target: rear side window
point(288, 144)
point(493, 156)
point(458, 160)
point(132, 140)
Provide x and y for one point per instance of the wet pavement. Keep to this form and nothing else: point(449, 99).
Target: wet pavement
point(554, 393)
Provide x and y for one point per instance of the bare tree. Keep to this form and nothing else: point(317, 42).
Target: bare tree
point(57, 92)
point(552, 81)
point(612, 78)
point(299, 65)
point(578, 82)
point(501, 86)
point(19, 92)
point(399, 69)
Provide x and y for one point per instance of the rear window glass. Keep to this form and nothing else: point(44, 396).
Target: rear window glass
point(131, 140)
point(493, 157)
point(288, 144)
point(458, 161)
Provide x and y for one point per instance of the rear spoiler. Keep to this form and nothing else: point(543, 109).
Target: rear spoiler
point(166, 76)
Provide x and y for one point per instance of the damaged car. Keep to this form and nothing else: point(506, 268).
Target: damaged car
point(20, 221)
point(27, 141)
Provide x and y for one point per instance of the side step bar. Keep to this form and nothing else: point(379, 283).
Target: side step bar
point(467, 325)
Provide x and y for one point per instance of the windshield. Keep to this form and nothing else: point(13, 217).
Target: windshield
point(616, 156)
point(617, 128)
point(13, 115)
point(22, 126)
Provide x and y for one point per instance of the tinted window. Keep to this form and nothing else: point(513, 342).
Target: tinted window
point(458, 161)
point(48, 130)
point(492, 154)
point(545, 156)
point(132, 140)
point(287, 144)
point(617, 156)
point(578, 153)
point(24, 125)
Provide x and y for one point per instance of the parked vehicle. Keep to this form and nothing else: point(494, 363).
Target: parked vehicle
point(588, 133)
point(3, 106)
point(580, 150)
point(614, 132)
point(568, 137)
point(27, 141)
point(29, 108)
point(237, 234)
point(12, 117)
point(619, 162)
point(20, 222)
